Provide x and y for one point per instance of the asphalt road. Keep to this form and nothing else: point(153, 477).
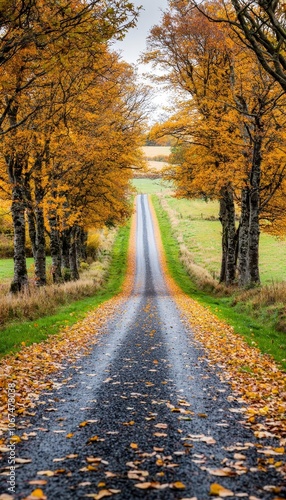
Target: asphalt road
point(144, 408)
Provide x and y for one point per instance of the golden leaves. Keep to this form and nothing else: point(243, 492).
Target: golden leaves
point(218, 490)
point(134, 446)
point(37, 494)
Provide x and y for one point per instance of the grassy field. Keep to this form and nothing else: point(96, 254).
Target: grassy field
point(202, 235)
point(37, 330)
point(198, 223)
point(151, 186)
point(7, 267)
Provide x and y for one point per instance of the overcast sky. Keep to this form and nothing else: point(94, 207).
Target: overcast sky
point(134, 43)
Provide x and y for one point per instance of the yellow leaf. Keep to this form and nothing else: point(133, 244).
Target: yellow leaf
point(134, 446)
point(15, 439)
point(178, 485)
point(219, 491)
point(70, 435)
point(38, 493)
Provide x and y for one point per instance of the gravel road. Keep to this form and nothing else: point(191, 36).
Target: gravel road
point(145, 413)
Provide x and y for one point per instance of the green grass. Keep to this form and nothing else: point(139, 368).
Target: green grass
point(151, 186)
point(7, 267)
point(199, 224)
point(202, 235)
point(262, 332)
point(29, 332)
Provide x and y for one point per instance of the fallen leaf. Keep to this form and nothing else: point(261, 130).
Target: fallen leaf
point(178, 485)
point(219, 491)
point(134, 446)
point(143, 486)
point(23, 460)
point(48, 473)
point(39, 482)
point(222, 472)
point(239, 456)
point(38, 493)
point(15, 439)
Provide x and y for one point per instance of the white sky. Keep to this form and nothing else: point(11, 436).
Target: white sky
point(134, 43)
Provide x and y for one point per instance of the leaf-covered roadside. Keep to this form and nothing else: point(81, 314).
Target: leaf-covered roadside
point(254, 377)
point(31, 369)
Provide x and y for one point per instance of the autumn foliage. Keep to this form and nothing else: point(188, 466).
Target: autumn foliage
point(71, 124)
point(230, 128)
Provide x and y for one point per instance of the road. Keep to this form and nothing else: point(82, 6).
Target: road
point(144, 416)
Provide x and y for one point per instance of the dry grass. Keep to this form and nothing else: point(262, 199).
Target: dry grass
point(270, 298)
point(36, 302)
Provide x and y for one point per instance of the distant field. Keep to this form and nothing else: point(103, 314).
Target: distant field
point(203, 239)
point(151, 186)
point(151, 151)
point(201, 229)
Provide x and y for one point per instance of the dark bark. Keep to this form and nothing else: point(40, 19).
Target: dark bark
point(40, 257)
point(73, 254)
point(254, 210)
point(32, 228)
point(229, 237)
point(243, 269)
point(55, 247)
point(20, 279)
point(66, 239)
point(82, 244)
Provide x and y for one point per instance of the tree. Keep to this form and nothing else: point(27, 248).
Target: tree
point(229, 129)
point(50, 55)
point(260, 24)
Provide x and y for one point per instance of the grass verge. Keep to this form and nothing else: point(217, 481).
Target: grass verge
point(17, 334)
point(256, 332)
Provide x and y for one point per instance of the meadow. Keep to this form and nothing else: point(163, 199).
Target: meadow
point(198, 224)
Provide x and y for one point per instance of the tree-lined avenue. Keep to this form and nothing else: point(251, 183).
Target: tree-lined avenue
point(144, 415)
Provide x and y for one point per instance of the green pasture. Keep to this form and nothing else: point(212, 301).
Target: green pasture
point(201, 230)
point(151, 186)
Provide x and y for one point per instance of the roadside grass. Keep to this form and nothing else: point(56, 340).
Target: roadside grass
point(260, 331)
point(19, 333)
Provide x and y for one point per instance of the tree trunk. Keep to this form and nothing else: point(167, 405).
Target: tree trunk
point(243, 267)
point(66, 240)
point(73, 254)
point(20, 280)
point(254, 206)
point(82, 244)
point(40, 257)
point(229, 236)
point(55, 247)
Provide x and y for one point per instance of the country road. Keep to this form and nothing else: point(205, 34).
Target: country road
point(144, 416)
